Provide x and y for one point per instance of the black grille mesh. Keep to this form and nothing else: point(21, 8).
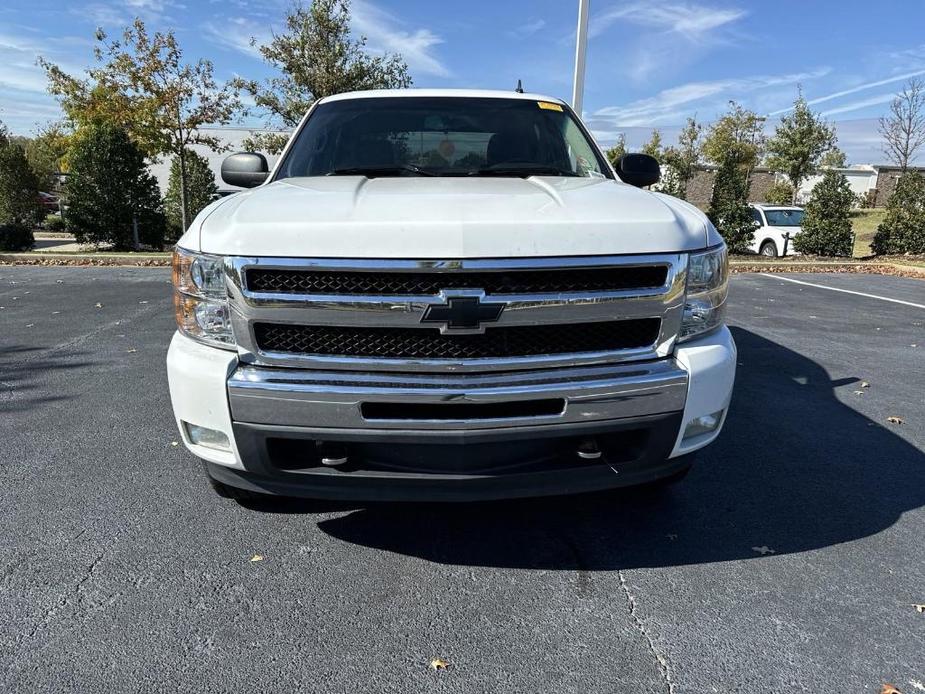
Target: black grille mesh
point(424, 283)
point(425, 343)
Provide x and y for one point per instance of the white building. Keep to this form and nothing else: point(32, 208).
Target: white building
point(861, 177)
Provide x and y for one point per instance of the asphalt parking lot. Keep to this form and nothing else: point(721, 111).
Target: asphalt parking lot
point(789, 560)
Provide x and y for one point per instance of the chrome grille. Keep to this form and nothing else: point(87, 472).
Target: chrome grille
point(366, 315)
point(260, 280)
point(418, 343)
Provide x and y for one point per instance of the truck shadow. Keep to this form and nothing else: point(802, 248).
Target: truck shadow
point(794, 470)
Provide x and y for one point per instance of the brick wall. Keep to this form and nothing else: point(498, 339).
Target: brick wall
point(700, 187)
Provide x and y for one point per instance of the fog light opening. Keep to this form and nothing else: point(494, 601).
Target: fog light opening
point(207, 438)
point(703, 425)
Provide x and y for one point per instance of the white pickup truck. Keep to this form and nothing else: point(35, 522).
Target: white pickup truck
point(442, 294)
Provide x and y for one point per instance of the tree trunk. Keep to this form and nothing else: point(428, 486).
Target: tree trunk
point(183, 210)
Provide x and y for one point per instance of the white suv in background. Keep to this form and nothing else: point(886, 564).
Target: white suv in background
point(777, 226)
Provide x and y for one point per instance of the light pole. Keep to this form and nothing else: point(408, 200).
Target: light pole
point(581, 50)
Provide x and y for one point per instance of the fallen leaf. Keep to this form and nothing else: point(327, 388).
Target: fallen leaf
point(865, 384)
point(764, 549)
point(257, 557)
point(894, 420)
point(919, 608)
point(889, 689)
point(438, 664)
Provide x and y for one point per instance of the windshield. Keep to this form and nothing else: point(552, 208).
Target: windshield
point(784, 218)
point(441, 136)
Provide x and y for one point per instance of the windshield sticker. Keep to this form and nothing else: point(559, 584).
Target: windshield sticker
point(548, 106)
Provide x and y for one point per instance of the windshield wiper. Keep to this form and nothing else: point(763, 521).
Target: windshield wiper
point(522, 170)
point(376, 171)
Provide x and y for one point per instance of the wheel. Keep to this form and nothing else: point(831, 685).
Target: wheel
point(769, 249)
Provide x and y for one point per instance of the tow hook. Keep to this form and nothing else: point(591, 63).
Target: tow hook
point(588, 449)
point(333, 454)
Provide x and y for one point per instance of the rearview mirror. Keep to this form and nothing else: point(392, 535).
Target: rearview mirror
point(245, 169)
point(638, 170)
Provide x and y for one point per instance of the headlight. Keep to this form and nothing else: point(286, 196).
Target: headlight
point(707, 285)
point(200, 300)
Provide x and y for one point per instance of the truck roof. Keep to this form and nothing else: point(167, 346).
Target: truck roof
point(458, 93)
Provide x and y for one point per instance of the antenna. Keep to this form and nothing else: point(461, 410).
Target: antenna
point(520, 87)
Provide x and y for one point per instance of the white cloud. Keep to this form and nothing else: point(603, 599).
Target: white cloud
point(858, 105)
point(672, 105)
point(386, 34)
point(678, 33)
point(854, 90)
point(690, 20)
point(527, 29)
point(236, 33)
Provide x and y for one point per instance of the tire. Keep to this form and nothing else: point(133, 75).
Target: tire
point(768, 249)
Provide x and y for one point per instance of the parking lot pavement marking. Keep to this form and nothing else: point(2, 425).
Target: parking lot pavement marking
point(844, 291)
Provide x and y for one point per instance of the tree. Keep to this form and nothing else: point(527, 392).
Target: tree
point(799, 143)
point(46, 153)
point(19, 187)
point(618, 150)
point(827, 223)
point(153, 95)
point(903, 130)
point(654, 146)
point(729, 210)
point(200, 191)
point(316, 57)
point(110, 190)
point(739, 133)
point(903, 228)
point(834, 159)
point(781, 193)
point(681, 161)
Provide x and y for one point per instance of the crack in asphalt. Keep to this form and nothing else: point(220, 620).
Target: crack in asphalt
point(661, 660)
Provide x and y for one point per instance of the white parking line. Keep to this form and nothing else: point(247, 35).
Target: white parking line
point(843, 291)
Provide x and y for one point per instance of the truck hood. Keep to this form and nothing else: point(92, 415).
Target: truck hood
point(418, 217)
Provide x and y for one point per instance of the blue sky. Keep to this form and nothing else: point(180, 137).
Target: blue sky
point(651, 63)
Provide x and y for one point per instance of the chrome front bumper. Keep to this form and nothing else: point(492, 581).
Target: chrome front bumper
point(337, 404)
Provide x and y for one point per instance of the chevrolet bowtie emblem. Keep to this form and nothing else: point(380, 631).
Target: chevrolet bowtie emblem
point(462, 312)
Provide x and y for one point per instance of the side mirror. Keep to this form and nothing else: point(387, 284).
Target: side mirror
point(638, 170)
point(245, 169)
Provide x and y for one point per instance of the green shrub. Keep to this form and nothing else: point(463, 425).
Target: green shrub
point(108, 187)
point(903, 227)
point(19, 187)
point(781, 193)
point(200, 191)
point(16, 237)
point(53, 222)
point(827, 224)
point(729, 210)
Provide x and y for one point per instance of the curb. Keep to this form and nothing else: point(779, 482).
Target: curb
point(88, 259)
point(865, 267)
